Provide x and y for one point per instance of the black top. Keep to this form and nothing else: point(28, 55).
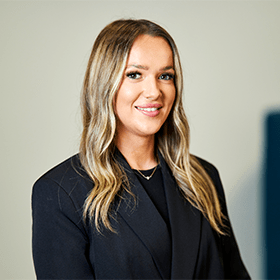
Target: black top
point(155, 190)
point(64, 247)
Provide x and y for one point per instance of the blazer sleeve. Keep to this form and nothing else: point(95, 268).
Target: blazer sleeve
point(234, 267)
point(59, 242)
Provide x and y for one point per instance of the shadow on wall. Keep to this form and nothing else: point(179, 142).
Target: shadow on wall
point(245, 219)
point(272, 195)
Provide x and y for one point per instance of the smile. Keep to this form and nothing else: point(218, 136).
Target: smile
point(148, 109)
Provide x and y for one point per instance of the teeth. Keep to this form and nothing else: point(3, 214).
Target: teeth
point(147, 109)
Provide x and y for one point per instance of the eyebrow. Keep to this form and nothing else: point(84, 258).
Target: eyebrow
point(167, 68)
point(138, 66)
point(146, 68)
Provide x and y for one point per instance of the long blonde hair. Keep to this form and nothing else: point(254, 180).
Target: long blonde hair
point(104, 74)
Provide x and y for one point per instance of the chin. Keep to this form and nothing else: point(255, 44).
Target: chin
point(149, 132)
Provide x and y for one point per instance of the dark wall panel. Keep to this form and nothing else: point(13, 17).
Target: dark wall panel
point(272, 196)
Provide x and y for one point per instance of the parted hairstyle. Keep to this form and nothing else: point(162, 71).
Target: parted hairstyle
point(103, 77)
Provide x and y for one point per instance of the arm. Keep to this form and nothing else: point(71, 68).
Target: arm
point(233, 264)
point(60, 243)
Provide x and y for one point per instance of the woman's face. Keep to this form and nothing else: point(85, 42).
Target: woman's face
point(147, 91)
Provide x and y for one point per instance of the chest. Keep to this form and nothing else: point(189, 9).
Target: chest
point(144, 247)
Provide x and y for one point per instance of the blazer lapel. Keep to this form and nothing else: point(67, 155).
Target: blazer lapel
point(185, 222)
point(145, 221)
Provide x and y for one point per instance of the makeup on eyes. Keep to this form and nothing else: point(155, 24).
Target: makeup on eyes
point(169, 75)
point(135, 75)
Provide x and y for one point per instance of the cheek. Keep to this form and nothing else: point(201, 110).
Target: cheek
point(126, 97)
point(171, 99)
point(171, 102)
point(116, 105)
point(122, 103)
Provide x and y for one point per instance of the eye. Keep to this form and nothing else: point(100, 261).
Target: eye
point(166, 76)
point(133, 75)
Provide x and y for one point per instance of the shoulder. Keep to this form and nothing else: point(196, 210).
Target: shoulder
point(57, 202)
point(209, 167)
point(213, 173)
point(67, 181)
point(66, 174)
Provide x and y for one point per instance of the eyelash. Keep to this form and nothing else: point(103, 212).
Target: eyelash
point(167, 76)
point(134, 73)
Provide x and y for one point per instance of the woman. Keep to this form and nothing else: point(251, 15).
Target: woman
point(133, 204)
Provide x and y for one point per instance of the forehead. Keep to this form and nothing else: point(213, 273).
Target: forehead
point(147, 49)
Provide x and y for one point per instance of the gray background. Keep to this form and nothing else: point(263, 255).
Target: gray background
point(231, 61)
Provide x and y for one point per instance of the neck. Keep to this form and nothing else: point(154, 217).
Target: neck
point(139, 153)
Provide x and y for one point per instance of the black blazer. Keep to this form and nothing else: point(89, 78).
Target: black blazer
point(64, 247)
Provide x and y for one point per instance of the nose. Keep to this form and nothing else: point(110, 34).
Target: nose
point(152, 89)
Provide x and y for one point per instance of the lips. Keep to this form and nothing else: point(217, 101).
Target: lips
point(147, 109)
point(151, 110)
